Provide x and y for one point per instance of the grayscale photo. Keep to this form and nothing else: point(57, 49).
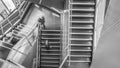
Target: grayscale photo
point(59, 33)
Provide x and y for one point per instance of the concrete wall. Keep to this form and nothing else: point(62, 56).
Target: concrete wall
point(107, 52)
point(100, 10)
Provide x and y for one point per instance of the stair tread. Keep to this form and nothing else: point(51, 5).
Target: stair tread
point(80, 50)
point(83, 3)
point(80, 55)
point(81, 27)
point(49, 50)
point(49, 58)
point(45, 61)
point(78, 61)
point(51, 38)
point(81, 39)
point(82, 9)
point(52, 30)
point(81, 44)
point(49, 54)
point(83, 33)
point(52, 46)
point(82, 21)
point(53, 42)
point(51, 34)
point(50, 65)
point(82, 15)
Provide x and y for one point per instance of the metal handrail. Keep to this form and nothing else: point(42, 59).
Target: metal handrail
point(7, 19)
point(38, 55)
point(63, 61)
point(65, 46)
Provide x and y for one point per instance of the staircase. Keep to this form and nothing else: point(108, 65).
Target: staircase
point(81, 30)
point(50, 58)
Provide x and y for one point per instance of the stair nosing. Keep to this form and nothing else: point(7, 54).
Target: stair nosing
point(82, 21)
point(52, 30)
point(81, 27)
point(82, 33)
point(49, 54)
point(82, 15)
point(78, 61)
point(78, 9)
point(52, 46)
point(83, 3)
point(80, 55)
point(50, 38)
point(53, 42)
point(81, 50)
point(81, 39)
point(52, 34)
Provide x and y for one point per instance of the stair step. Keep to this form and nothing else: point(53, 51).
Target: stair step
point(78, 61)
point(80, 55)
point(50, 54)
point(49, 50)
point(82, 33)
point(81, 27)
point(49, 58)
point(81, 50)
point(82, 15)
point(52, 30)
point(82, 3)
point(52, 38)
point(82, 9)
point(81, 39)
point(49, 61)
point(53, 42)
point(50, 66)
point(75, 45)
point(82, 21)
point(51, 46)
point(52, 34)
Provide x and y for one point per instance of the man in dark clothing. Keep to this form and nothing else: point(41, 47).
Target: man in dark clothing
point(42, 22)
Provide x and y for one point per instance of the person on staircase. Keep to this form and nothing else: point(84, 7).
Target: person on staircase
point(42, 22)
point(47, 45)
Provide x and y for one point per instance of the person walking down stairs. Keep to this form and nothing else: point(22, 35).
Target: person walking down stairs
point(42, 22)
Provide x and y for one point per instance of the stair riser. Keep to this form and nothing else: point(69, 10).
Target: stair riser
point(81, 48)
point(52, 48)
point(80, 58)
point(50, 36)
point(49, 59)
point(80, 53)
point(57, 52)
point(44, 63)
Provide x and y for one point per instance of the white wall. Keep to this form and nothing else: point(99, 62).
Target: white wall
point(100, 9)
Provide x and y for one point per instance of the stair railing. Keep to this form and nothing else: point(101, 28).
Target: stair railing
point(38, 55)
point(39, 46)
point(65, 42)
